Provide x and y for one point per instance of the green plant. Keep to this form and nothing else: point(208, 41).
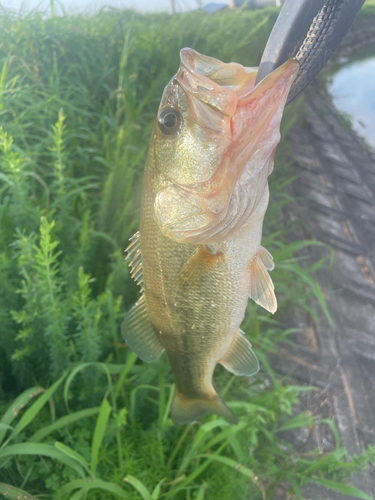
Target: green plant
point(185, 454)
point(78, 96)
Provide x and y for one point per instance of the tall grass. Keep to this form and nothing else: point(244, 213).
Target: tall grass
point(77, 99)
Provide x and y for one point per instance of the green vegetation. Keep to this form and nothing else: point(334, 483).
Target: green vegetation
point(368, 8)
point(77, 99)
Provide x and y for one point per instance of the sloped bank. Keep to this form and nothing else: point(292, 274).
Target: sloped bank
point(361, 35)
point(336, 186)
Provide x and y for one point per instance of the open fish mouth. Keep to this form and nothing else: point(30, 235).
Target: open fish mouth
point(213, 82)
point(227, 86)
point(237, 123)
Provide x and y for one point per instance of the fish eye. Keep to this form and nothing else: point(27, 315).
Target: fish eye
point(170, 121)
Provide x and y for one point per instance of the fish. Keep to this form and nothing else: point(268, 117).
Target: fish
point(197, 255)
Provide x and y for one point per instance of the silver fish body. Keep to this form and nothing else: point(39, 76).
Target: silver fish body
point(198, 255)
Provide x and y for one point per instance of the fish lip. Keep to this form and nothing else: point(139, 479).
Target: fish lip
point(221, 204)
point(198, 77)
point(283, 72)
point(197, 84)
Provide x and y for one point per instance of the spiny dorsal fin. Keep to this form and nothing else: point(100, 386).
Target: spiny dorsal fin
point(261, 288)
point(139, 333)
point(133, 252)
point(240, 359)
point(201, 261)
point(266, 258)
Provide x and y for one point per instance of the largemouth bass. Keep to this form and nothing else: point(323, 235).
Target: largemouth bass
point(198, 254)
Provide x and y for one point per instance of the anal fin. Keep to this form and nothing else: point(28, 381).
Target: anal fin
point(261, 288)
point(240, 359)
point(139, 333)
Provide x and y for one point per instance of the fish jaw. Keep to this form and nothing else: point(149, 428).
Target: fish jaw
point(212, 175)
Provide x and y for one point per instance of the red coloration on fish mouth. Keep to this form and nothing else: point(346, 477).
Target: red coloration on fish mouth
point(242, 121)
point(231, 126)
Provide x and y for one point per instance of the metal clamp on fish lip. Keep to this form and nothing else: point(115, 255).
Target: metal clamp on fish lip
point(309, 31)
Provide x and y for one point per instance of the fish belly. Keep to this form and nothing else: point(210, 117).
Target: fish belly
point(195, 320)
point(195, 309)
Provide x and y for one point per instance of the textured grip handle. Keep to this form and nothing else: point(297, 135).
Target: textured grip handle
point(310, 31)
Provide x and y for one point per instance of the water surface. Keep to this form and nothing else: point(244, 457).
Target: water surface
point(353, 90)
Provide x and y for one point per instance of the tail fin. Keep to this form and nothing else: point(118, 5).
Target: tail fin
point(185, 410)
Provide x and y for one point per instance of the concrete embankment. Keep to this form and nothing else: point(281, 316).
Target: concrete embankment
point(337, 185)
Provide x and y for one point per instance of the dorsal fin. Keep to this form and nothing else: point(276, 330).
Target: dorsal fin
point(133, 252)
point(139, 333)
point(261, 288)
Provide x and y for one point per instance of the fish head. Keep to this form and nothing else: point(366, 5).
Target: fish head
point(213, 144)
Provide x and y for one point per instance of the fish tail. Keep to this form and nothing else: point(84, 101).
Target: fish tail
point(185, 410)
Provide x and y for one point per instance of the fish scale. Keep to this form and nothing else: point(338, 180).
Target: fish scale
point(198, 254)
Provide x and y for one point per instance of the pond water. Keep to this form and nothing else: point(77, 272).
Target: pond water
point(353, 91)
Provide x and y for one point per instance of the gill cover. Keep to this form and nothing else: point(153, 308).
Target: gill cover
point(213, 170)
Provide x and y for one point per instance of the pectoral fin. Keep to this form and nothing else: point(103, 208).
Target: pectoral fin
point(201, 261)
point(267, 259)
point(240, 359)
point(261, 288)
point(139, 334)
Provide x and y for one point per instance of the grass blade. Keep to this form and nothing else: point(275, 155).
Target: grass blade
point(78, 494)
point(5, 427)
point(17, 405)
point(80, 368)
point(309, 280)
point(231, 463)
point(15, 493)
point(295, 487)
point(205, 429)
point(71, 453)
point(327, 460)
point(133, 398)
point(334, 429)
point(201, 492)
point(266, 364)
point(91, 484)
point(62, 422)
point(168, 406)
point(101, 424)
point(161, 403)
point(33, 411)
point(287, 250)
point(245, 471)
point(69, 380)
point(227, 434)
point(342, 488)
point(305, 419)
point(128, 366)
point(45, 450)
point(156, 491)
point(139, 486)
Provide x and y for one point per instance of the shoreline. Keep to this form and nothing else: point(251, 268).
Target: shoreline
point(336, 186)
